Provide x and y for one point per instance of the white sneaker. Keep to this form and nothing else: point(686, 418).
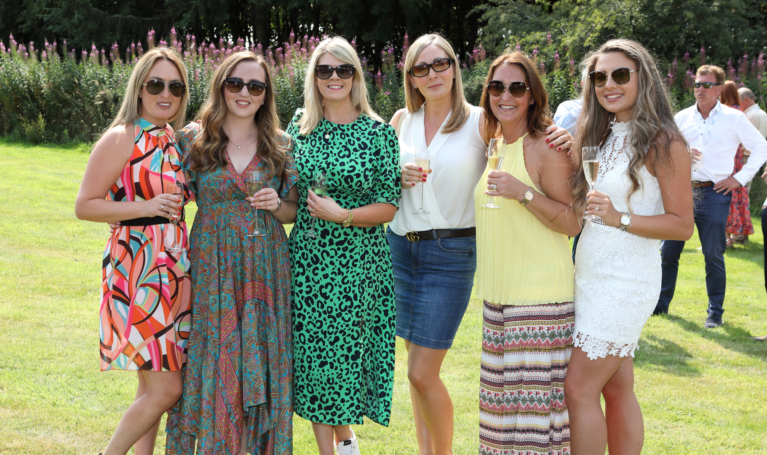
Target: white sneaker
point(348, 447)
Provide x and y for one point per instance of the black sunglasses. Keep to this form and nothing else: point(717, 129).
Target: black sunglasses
point(325, 71)
point(705, 85)
point(156, 86)
point(235, 84)
point(620, 76)
point(439, 65)
point(517, 89)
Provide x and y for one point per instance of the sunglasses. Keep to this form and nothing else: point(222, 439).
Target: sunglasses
point(620, 76)
point(156, 86)
point(325, 71)
point(439, 65)
point(235, 84)
point(705, 85)
point(517, 89)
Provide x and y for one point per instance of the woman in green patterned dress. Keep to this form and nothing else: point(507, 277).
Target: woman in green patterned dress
point(343, 290)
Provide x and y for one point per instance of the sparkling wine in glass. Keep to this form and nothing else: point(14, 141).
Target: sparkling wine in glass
point(494, 162)
point(422, 161)
point(590, 159)
point(255, 183)
point(176, 189)
point(320, 188)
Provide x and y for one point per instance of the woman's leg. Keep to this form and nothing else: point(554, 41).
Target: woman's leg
point(432, 402)
point(163, 389)
point(145, 445)
point(583, 385)
point(625, 428)
point(323, 435)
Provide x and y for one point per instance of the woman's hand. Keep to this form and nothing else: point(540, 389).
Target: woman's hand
point(113, 227)
point(412, 174)
point(599, 204)
point(165, 205)
point(266, 199)
point(325, 208)
point(559, 138)
point(506, 185)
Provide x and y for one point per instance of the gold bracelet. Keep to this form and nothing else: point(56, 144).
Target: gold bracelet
point(349, 218)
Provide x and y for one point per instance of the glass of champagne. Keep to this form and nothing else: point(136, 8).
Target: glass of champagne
point(255, 182)
point(422, 161)
point(320, 188)
point(176, 189)
point(494, 163)
point(590, 158)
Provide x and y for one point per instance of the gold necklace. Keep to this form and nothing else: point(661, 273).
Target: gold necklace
point(243, 144)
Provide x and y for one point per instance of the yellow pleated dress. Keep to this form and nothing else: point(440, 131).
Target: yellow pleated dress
point(525, 278)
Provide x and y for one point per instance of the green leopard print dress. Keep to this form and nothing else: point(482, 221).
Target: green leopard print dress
point(343, 288)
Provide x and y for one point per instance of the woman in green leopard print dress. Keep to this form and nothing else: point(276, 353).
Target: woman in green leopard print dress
point(343, 289)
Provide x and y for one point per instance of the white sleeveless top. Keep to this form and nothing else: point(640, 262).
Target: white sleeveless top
point(457, 159)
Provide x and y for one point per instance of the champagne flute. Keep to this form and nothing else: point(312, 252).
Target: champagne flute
point(255, 183)
point(176, 189)
point(422, 161)
point(494, 162)
point(590, 159)
point(320, 188)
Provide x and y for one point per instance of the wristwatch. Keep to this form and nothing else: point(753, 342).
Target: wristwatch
point(625, 221)
point(349, 218)
point(528, 196)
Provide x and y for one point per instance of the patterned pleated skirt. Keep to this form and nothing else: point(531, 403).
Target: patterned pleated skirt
point(525, 352)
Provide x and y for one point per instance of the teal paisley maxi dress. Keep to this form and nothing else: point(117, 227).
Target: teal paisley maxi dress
point(343, 287)
point(239, 367)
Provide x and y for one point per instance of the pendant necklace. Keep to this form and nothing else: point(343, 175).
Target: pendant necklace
point(243, 144)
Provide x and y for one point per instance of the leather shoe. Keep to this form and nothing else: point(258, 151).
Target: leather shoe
point(713, 321)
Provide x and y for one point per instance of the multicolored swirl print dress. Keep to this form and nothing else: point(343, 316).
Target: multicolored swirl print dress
point(145, 289)
point(239, 373)
point(343, 284)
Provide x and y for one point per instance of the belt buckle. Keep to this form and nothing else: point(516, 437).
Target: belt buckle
point(412, 237)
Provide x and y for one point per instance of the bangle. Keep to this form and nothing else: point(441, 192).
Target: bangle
point(349, 218)
point(279, 205)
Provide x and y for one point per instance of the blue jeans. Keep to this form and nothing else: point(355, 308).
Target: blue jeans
point(711, 220)
point(432, 285)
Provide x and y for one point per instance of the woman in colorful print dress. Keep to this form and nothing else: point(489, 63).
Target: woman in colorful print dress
point(343, 291)
point(238, 380)
point(524, 270)
point(145, 289)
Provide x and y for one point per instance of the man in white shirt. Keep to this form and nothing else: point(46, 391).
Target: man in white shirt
point(755, 114)
point(714, 132)
point(568, 111)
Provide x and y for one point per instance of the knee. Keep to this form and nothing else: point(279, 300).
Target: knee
point(169, 394)
point(573, 392)
point(617, 391)
point(419, 378)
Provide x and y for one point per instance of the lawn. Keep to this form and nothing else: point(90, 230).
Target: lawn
point(701, 391)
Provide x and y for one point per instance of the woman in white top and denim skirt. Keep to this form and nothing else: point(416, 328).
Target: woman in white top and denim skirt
point(434, 254)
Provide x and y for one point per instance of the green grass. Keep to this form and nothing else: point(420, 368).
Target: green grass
point(701, 391)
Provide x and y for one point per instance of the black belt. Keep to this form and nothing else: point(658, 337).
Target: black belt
point(434, 234)
point(149, 221)
point(701, 184)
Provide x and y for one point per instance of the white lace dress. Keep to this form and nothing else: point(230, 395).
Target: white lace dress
point(617, 274)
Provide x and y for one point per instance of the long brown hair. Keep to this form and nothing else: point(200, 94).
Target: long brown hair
point(729, 95)
point(208, 151)
point(652, 123)
point(538, 118)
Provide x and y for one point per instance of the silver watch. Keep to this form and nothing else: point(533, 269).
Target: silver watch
point(529, 194)
point(625, 221)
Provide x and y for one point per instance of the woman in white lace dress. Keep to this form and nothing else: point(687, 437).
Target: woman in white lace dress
point(642, 194)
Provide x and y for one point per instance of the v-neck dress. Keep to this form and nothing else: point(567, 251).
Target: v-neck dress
point(239, 370)
point(343, 310)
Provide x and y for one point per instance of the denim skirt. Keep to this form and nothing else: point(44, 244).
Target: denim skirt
point(432, 285)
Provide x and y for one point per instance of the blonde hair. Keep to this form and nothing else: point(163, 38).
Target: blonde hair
point(711, 69)
point(129, 110)
point(313, 113)
point(652, 125)
point(413, 97)
point(208, 151)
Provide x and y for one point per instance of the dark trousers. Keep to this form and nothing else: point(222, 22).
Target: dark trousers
point(711, 220)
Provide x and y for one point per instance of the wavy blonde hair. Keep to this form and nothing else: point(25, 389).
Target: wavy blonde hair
point(652, 125)
point(129, 109)
point(208, 151)
point(313, 113)
point(413, 97)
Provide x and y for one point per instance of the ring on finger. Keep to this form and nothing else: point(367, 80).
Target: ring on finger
point(493, 187)
point(162, 206)
point(407, 178)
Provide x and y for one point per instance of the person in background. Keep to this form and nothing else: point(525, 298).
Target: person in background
point(714, 132)
point(343, 287)
point(524, 269)
point(739, 225)
point(434, 253)
point(568, 111)
point(132, 176)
